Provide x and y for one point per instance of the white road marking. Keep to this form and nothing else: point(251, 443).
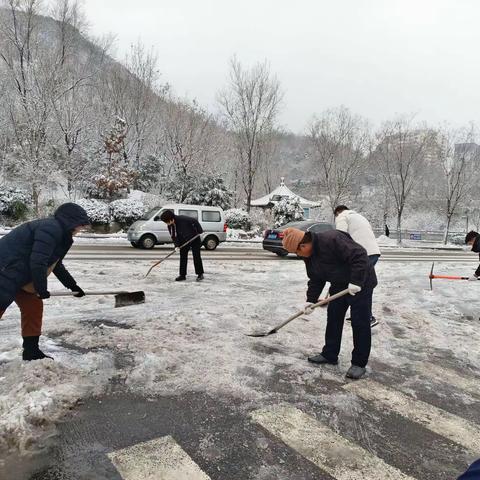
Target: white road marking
point(468, 384)
point(443, 423)
point(334, 454)
point(159, 459)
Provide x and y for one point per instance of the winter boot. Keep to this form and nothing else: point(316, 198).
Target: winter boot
point(355, 372)
point(180, 278)
point(31, 350)
point(320, 360)
point(200, 277)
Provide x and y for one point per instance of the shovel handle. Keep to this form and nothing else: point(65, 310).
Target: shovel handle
point(447, 277)
point(68, 294)
point(321, 303)
point(171, 253)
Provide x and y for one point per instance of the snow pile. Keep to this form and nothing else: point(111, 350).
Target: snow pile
point(385, 241)
point(237, 218)
point(127, 211)
point(97, 211)
point(35, 395)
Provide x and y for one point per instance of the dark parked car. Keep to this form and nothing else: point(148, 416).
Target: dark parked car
point(272, 239)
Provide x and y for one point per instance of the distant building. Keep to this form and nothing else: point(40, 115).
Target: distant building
point(282, 192)
point(469, 151)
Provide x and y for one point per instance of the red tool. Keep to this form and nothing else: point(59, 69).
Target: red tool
point(444, 277)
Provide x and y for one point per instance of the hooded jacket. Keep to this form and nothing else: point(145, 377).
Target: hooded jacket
point(359, 228)
point(337, 259)
point(27, 252)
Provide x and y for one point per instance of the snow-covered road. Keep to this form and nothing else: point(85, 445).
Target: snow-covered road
point(143, 370)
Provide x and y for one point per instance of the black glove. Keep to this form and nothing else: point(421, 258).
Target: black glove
point(44, 295)
point(79, 292)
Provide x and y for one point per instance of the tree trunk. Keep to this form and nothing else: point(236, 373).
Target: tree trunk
point(399, 227)
point(447, 229)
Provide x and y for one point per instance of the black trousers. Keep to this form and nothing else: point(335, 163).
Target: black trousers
point(195, 246)
point(361, 312)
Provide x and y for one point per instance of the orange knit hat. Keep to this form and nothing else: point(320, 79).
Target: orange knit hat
point(292, 237)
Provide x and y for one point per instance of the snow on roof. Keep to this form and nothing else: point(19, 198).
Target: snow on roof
point(279, 193)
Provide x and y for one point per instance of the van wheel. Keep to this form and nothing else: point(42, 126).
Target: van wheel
point(147, 242)
point(134, 244)
point(210, 243)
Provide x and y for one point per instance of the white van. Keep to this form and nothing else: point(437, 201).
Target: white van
point(151, 231)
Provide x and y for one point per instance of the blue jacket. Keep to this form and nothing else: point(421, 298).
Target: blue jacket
point(27, 252)
point(473, 473)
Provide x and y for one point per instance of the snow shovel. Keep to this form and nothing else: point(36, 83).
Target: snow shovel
point(321, 303)
point(175, 250)
point(122, 299)
point(443, 277)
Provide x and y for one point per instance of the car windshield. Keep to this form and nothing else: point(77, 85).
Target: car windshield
point(151, 213)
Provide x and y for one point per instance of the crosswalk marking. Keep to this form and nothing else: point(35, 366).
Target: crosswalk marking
point(446, 424)
point(334, 454)
point(159, 459)
point(445, 375)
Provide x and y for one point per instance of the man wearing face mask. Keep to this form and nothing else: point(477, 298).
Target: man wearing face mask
point(473, 240)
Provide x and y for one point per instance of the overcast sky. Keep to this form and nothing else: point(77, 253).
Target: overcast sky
point(378, 57)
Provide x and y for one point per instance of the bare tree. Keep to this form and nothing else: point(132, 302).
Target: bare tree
point(401, 152)
point(340, 141)
point(251, 105)
point(457, 156)
point(190, 140)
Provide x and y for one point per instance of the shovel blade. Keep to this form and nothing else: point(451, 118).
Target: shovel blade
point(261, 334)
point(129, 298)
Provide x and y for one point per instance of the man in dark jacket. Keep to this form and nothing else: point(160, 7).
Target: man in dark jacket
point(473, 473)
point(334, 257)
point(27, 255)
point(182, 229)
point(473, 240)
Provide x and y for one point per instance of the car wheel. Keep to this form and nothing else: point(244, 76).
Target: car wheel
point(210, 243)
point(147, 242)
point(282, 254)
point(134, 244)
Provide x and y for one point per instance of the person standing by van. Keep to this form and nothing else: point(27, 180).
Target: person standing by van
point(182, 229)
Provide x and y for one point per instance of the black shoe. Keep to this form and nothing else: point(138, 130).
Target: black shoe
point(355, 372)
point(321, 360)
point(373, 322)
point(180, 278)
point(31, 350)
point(200, 277)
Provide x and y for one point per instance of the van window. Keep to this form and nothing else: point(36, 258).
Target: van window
point(211, 216)
point(189, 213)
point(157, 217)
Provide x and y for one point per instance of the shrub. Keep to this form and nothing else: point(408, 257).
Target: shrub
point(127, 211)
point(287, 210)
point(237, 218)
point(14, 203)
point(98, 212)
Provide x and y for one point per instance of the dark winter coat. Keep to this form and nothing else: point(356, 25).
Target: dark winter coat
point(476, 248)
point(337, 259)
point(27, 252)
point(184, 229)
point(473, 473)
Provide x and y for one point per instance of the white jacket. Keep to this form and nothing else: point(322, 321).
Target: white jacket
point(359, 228)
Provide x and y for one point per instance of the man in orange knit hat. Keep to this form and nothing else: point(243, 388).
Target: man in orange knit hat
point(334, 257)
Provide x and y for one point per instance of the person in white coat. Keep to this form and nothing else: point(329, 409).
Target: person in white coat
point(359, 228)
